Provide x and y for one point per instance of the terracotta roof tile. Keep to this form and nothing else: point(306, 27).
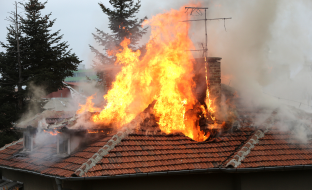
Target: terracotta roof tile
point(138, 153)
point(277, 148)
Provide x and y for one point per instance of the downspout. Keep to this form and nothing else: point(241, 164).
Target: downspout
point(59, 184)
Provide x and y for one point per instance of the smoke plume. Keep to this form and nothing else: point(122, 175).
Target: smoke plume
point(265, 56)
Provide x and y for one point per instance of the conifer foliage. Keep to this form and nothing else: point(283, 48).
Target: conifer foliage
point(48, 59)
point(39, 58)
point(123, 24)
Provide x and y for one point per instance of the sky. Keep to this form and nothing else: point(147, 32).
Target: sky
point(77, 20)
point(266, 43)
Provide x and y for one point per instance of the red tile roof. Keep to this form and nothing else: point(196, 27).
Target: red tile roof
point(137, 153)
point(278, 148)
point(140, 153)
point(43, 159)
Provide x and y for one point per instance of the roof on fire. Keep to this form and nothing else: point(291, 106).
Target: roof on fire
point(139, 152)
point(135, 152)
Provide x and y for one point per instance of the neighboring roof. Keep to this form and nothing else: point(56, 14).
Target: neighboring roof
point(84, 70)
point(77, 79)
point(90, 73)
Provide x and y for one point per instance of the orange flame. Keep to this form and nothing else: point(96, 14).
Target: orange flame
point(54, 133)
point(89, 106)
point(93, 131)
point(164, 74)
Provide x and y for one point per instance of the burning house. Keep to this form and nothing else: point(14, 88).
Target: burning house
point(168, 123)
point(56, 154)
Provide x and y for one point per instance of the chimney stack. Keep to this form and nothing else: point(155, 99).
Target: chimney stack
point(213, 66)
point(214, 79)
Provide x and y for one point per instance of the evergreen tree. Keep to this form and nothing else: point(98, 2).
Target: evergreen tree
point(123, 24)
point(11, 69)
point(11, 82)
point(33, 55)
point(48, 59)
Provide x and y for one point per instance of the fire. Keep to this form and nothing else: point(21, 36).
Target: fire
point(89, 106)
point(89, 131)
point(53, 132)
point(98, 131)
point(164, 74)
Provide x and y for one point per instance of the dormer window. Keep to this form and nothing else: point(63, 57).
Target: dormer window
point(63, 145)
point(28, 142)
point(28, 137)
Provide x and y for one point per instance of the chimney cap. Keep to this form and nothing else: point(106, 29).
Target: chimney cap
point(213, 59)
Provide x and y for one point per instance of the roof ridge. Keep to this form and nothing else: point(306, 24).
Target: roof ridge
point(11, 144)
point(245, 150)
point(238, 148)
point(254, 139)
point(85, 167)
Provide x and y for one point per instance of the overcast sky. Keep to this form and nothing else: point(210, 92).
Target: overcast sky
point(253, 39)
point(78, 19)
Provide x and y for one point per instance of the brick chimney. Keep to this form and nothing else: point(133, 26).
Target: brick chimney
point(213, 66)
point(214, 79)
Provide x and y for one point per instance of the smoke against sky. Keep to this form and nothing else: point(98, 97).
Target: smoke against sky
point(265, 49)
point(266, 57)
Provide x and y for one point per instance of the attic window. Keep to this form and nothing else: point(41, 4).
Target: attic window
point(63, 145)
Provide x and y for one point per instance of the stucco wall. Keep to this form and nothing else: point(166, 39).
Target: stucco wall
point(287, 180)
point(178, 182)
point(31, 181)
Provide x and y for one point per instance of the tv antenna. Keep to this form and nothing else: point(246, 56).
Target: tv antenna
point(198, 12)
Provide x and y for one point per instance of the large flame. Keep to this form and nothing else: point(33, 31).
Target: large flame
point(89, 106)
point(164, 74)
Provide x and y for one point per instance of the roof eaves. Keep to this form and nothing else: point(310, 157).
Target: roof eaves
point(209, 170)
point(196, 171)
point(85, 167)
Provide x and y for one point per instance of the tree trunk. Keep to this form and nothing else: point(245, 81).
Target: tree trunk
point(19, 84)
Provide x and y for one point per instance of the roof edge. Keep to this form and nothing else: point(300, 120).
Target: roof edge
point(182, 172)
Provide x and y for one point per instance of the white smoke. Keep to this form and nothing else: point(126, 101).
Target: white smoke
point(265, 56)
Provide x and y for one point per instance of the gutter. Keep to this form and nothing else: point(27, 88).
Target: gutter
point(180, 172)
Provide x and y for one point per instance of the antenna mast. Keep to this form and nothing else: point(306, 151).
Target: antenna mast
point(198, 11)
